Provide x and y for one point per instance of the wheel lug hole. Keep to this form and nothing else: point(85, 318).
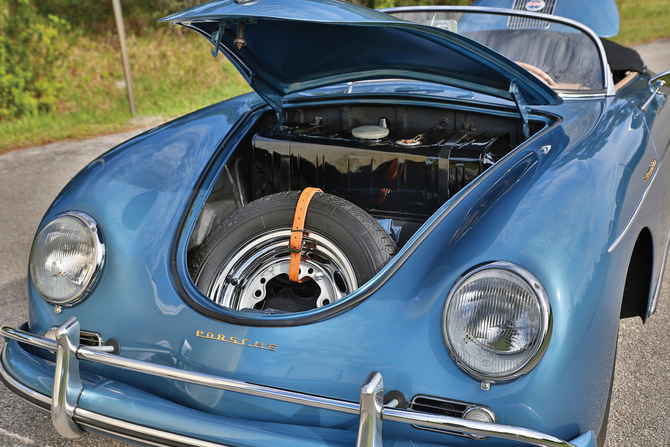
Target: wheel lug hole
point(231, 280)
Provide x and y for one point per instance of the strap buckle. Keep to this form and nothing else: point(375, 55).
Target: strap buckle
point(297, 232)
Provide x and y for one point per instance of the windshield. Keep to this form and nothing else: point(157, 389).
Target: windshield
point(560, 55)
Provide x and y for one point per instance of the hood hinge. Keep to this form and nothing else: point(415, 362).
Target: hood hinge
point(216, 38)
point(227, 23)
point(522, 106)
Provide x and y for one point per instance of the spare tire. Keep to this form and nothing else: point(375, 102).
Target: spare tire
point(243, 263)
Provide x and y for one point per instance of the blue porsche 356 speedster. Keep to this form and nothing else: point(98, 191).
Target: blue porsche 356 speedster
point(421, 229)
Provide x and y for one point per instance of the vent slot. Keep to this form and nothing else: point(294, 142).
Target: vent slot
point(443, 407)
point(88, 338)
point(526, 23)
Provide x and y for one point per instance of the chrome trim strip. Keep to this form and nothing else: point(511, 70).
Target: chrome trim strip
point(629, 224)
point(657, 292)
point(28, 395)
point(474, 427)
point(26, 337)
point(608, 81)
point(373, 386)
point(570, 96)
point(218, 382)
point(136, 432)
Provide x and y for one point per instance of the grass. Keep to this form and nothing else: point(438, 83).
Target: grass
point(643, 21)
point(174, 73)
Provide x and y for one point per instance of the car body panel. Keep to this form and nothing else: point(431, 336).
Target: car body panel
point(540, 207)
point(656, 114)
point(657, 210)
point(269, 62)
point(416, 311)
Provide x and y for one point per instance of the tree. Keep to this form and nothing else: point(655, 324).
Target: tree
point(31, 47)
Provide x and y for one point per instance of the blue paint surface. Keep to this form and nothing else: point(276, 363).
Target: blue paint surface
point(557, 213)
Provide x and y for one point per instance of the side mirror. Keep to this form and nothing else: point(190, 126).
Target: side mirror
point(660, 80)
point(655, 85)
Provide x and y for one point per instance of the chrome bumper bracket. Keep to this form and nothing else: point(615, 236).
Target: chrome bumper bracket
point(372, 405)
point(67, 383)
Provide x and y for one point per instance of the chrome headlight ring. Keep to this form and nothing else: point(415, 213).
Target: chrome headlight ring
point(67, 258)
point(497, 322)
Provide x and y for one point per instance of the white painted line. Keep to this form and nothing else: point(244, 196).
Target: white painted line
point(17, 437)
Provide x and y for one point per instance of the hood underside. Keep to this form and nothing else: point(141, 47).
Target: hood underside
point(287, 46)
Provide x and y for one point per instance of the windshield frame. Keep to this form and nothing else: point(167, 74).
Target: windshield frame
point(608, 81)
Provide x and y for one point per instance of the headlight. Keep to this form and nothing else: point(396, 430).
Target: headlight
point(67, 258)
point(497, 322)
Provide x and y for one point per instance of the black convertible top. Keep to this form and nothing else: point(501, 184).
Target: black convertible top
point(621, 58)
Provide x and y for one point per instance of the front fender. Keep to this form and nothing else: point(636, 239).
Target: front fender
point(555, 214)
point(138, 190)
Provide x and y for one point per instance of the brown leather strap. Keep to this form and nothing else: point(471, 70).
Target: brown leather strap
point(297, 231)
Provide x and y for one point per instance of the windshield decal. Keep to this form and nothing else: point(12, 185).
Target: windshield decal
point(535, 5)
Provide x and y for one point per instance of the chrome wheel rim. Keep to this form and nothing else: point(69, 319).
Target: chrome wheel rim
point(242, 281)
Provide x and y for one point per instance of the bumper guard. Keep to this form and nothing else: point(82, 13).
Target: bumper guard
point(371, 411)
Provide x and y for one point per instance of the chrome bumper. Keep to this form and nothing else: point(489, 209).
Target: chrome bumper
point(67, 416)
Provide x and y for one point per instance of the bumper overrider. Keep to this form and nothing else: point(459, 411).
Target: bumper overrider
point(73, 410)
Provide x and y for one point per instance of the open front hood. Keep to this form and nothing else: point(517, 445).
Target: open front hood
point(296, 45)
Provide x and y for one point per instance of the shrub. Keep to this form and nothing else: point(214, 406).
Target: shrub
point(95, 17)
point(31, 51)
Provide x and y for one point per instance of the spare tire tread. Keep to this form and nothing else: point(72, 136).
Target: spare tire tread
point(340, 209)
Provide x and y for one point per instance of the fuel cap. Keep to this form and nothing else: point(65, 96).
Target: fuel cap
point(370, 132)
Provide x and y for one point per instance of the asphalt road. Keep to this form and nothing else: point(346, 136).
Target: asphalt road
point(31, 178)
